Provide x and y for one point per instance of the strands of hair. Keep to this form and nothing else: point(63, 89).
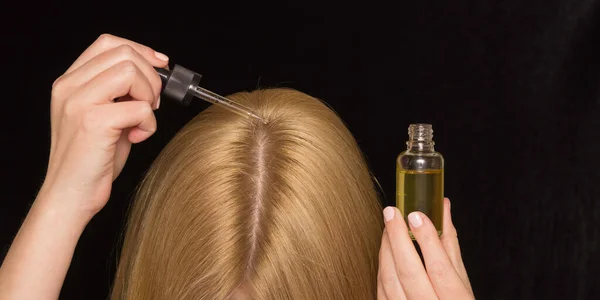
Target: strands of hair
point(236, 209)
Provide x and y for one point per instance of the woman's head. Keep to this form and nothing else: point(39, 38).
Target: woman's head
point(233, 207)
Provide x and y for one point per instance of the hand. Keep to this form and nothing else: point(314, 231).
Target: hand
point(91, 138)
point(401, 272)
point(91, 132)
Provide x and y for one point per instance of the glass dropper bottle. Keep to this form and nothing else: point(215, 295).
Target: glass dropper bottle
point(420, 177)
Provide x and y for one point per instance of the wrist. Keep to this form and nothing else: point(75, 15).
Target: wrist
point(62, 205)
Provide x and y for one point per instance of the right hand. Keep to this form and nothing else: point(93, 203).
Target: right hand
point(402, 275)
point(91, 133)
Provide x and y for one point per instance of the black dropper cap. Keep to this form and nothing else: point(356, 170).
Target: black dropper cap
point(177, 83)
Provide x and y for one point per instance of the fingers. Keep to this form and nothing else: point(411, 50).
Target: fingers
point(122, 79)
point(449, 237)
point(106, 60)
point(106, 42)
point(451, 245)
point(380, 291)
point(441, 271)
point(388, 284)
point(380, 288)
point(408, 265)
point(112, 119)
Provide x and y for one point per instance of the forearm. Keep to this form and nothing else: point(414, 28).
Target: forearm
point(37, 262)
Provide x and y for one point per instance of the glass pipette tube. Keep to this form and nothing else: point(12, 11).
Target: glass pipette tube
point(226, 103)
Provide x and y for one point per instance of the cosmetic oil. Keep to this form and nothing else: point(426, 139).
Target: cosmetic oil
point(420, 177)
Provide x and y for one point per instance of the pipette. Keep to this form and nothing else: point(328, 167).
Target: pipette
point(181, 85)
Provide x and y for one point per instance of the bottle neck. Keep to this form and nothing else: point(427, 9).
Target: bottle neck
point(420, 146)
point(420, 138)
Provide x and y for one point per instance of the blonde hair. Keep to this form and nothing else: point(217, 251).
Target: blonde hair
point(283, 210)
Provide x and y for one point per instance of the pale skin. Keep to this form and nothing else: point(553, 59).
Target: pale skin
point(403, 276)
point(91, 138)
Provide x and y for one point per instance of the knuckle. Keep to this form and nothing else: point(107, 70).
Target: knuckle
point(126, 51)
point(145, 108)
point(148, 112)
point(58, 87)
point(128, 68)
point(105, 39)
point(59, 81)
point(451, 232)
point(152, 130)
point(387, 279)
point(407, 274)
point(437, 269)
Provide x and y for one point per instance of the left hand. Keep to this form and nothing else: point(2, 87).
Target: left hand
point(402, 274)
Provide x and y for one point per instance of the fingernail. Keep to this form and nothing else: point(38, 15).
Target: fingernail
point(388, 213)
point(415, 219)
point(161, 56)
point(158, 102)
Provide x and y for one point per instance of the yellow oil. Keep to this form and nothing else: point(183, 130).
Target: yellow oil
point(421, 191)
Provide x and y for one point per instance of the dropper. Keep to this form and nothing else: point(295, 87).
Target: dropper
point(181, 85)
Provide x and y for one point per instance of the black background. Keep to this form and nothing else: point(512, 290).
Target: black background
point(511, 88)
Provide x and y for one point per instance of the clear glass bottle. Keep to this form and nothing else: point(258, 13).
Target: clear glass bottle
point(420, 177)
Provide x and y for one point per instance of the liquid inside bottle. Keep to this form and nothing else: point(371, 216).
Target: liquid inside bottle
point(420, 177)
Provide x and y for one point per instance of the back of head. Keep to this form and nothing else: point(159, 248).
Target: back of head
point(233, 208)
